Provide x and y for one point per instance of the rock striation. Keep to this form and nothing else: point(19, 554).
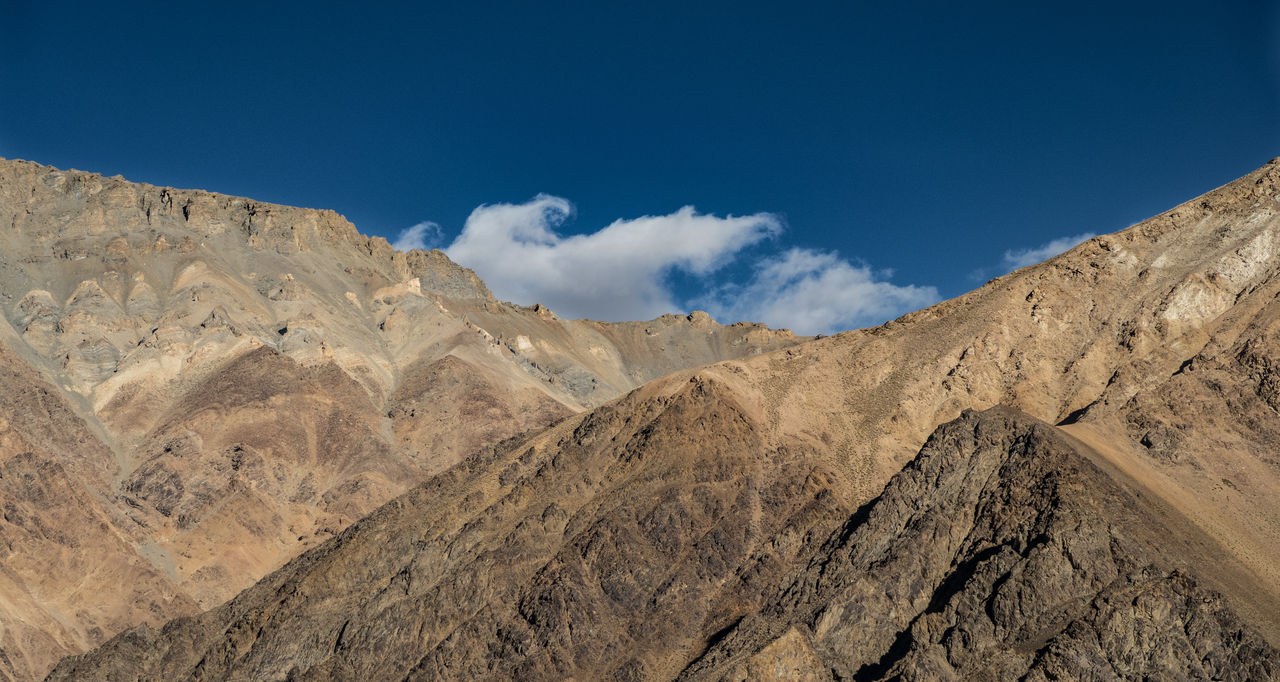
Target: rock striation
point(604, 547)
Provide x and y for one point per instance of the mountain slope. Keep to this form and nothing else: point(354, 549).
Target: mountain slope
point(631, 525)
point(260, 376)
point(753, 517)
point(1108, 339)
point(75, 569)
point(1002, 551)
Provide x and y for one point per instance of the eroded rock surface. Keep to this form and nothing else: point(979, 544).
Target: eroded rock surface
point(632, 546)
point(610, 546)
point(1003, 552)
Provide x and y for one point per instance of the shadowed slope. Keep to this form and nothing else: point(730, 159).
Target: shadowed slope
point(1002, 551)
point(611, 545)
point(658, 532)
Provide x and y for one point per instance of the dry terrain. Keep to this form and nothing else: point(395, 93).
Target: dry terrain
point(199, 387)
point(1070, 472)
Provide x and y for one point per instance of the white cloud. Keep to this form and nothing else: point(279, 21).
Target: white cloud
point(621, 271)
point(616, 273)
point(1021, 258)
point(814, 292)
point(424, 235)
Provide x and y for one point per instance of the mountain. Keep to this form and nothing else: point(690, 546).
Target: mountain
point(1068, 472)
point(198, 387)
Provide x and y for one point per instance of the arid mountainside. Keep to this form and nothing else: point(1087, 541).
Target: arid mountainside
point(617, 535)
point(1002, 551)
point(75, 568)
point(1071, 471)
point(205, 385)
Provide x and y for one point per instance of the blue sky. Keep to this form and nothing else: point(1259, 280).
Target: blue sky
point(875, 157)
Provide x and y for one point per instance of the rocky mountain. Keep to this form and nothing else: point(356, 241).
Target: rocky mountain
point(1005, 551)
point(1070, 472)
point(1001, 551)
point(198, 387)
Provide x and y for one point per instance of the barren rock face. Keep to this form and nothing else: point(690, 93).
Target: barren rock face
point(631, 545)
point(76, 568)
point(608, 546)
point(1000, 552)
point(252, 378)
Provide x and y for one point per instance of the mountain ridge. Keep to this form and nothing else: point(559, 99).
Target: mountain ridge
point(1110, 509)
point(256, 377)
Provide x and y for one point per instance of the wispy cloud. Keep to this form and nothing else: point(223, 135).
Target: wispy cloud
point(1021, 258)
point(424, 235)
point(816, 292)
point(618, 272)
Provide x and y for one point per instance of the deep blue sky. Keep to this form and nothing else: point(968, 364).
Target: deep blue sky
point(926, 138)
